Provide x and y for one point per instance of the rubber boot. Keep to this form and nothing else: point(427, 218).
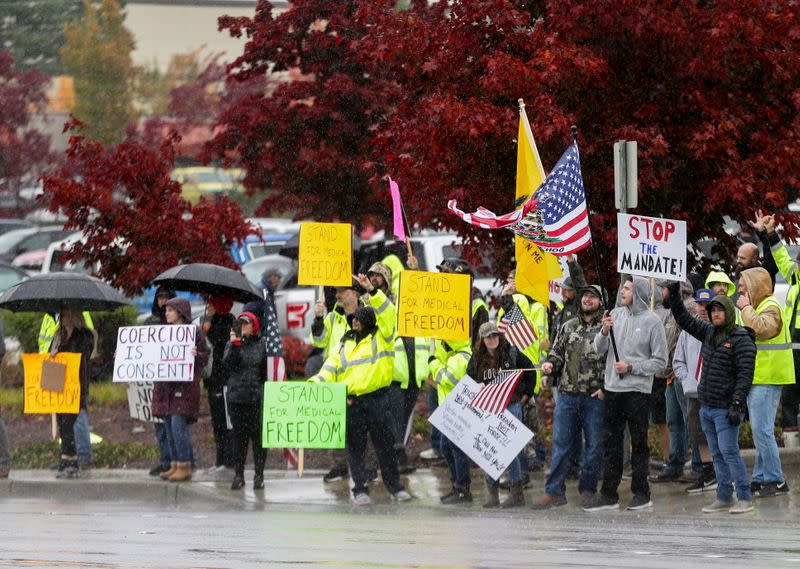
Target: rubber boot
point(492, 495)
point(516, 498)
point(167, 473)
point(182, 472)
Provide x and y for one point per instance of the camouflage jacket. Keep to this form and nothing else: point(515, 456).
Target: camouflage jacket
point(576, 364)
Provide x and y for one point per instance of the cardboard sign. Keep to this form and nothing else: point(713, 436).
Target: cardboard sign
point(38, 400)
point(299, 414)
point(140, 399)
point(53, 376)
point(155, 353)
point(434, 305)
point(326, 254)
point(492, 441)
point(651, 247)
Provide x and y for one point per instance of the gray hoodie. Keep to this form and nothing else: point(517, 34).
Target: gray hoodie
point(641, 342)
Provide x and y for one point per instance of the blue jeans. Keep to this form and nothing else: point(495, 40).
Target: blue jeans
point(762, 402)
point(180, 444)
point(83, 445)
point(678, 434)
point(723, 442)
point(458, 463)
point(515, 467)
point(573, 414)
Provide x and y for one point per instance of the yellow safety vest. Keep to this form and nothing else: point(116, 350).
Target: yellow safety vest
point(774, 360)
point(449, 366)
point(49, 327)
point(364, 366)
point(421, 353)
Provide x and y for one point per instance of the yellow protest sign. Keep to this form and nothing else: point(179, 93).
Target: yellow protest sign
point(434, 305)
point(326, 254)
point(38, 400)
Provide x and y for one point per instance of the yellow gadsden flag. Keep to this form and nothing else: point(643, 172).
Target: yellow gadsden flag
point(535, 268)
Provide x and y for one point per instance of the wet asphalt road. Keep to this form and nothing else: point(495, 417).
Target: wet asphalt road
point(303, 523)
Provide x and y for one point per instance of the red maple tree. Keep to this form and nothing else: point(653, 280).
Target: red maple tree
point(135, 221)
point(429, 95)
point(24, 150)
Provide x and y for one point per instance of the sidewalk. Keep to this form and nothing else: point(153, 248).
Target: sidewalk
point(283, 487)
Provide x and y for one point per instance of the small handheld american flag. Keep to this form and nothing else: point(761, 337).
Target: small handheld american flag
point(518, 331)
point(495, 395)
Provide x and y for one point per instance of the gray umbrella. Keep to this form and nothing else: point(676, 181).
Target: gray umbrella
point(205, 278)
point(51, 291)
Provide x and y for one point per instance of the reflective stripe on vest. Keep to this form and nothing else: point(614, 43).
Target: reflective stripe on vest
point(774, 358)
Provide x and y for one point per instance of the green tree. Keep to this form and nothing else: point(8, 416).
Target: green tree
point(33, 32)
point(97, 53)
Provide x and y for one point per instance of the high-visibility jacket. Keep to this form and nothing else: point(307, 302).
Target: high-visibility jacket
point(774, 359)
point(536, 314)
point(449, 365)
point(401, 356)
point(49, 327)
point(396, 265)
point(720, 277)
point(364, 366)
point(791, 272)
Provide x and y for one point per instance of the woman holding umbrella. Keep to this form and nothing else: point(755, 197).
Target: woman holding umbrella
point(72, 336)
point(178, 402)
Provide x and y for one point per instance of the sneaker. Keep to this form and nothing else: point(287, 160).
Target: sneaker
point(755, 487)
point(665, 476)
point(430, 454)
point(238, 483)
point(702, 485)
point(718, 506)
point(401, 496)
point(547, 502)
point(587, 498)
point(258, 482)
point(771, 489)
point(458, 496)
point(639, 503)
point(336, 473)
point(67, 469)
point(742, 507)
point(361, 499)
point(601, 503)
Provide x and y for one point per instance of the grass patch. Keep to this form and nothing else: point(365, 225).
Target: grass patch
point(104, 455)
point(100, 395)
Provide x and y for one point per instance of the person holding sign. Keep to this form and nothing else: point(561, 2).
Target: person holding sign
point(642, 347)
point(246, 360)
point(492, 355)
point(72, 336)
point(364, 362)
point(178, 402)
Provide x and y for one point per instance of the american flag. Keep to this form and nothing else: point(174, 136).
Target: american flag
point(561, 203)
point(495, 395)
point(489, 220)
point(517, 329)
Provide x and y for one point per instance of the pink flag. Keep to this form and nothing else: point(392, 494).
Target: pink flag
point(397, 206)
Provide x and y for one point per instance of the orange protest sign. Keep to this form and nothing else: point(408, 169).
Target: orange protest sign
point(38, 400)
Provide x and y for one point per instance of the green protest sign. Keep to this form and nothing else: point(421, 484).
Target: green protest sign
point(299, 414)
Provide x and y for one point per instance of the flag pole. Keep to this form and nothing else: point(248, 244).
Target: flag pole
point(600, 280)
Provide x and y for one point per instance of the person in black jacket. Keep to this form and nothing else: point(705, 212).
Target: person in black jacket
point(492, 355)
point(218, 331)
point(246, 360)
point(728, 361)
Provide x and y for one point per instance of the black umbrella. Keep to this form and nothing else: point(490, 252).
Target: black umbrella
point(205, 278)
point(291, 248)
point(51, 291)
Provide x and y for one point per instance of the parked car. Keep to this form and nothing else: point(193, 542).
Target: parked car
point(207, 181)
point(19, 241)
point(9, 276)
point(10, 224)
point(31, 261)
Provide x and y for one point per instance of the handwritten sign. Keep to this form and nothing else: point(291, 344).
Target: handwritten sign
point(38, 400)
point(300, 414)
point(140, 399)
point(434, 305)
point(651, 247)
point(492, 441)
point(155, 353)
point(325, 255)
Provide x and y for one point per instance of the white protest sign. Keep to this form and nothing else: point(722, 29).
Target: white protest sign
point(651, 247)
point(140, 398)
point(492, 441)
point(155, 353)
